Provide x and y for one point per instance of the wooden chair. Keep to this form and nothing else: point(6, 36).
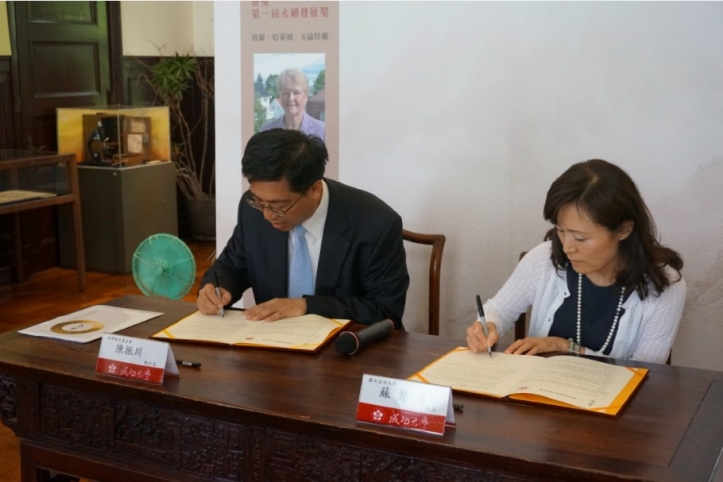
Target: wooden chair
point(521, 323)
point(435, 267)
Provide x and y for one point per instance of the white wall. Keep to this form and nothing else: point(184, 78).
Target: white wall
point(172, 27)
point(203, 28)
point(227, 65)
point(474, 108)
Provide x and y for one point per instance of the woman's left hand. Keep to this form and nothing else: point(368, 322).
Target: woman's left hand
point(535, 346)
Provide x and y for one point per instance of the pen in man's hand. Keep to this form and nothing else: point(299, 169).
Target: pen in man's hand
point(186, 363)
point(218, 291)
point(481, 313)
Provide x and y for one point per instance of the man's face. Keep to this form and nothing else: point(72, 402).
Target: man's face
point(278, 195)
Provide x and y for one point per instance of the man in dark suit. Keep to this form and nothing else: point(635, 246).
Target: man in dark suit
point(351, 241)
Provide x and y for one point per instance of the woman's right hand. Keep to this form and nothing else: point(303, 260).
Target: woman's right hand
point(476, 339)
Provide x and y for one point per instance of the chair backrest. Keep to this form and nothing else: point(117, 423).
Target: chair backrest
point(435, 268)
point(521, 324)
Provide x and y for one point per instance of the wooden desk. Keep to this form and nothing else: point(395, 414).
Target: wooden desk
point(261, 415)
point(15, 163)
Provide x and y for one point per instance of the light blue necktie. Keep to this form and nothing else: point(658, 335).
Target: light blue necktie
point(301, 278)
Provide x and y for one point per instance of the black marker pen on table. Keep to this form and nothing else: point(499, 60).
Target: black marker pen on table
point(186, 363)
point(483, 321)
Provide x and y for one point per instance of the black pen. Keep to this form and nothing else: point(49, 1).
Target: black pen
point(186, 363)
point(481, 313)
point(218, 291)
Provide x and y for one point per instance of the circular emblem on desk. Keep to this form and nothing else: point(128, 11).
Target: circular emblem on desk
point(77, 327)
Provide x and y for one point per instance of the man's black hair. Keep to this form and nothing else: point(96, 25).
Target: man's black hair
point(285, 153)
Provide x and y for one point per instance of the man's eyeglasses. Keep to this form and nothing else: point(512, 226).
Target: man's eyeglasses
point(276, 211)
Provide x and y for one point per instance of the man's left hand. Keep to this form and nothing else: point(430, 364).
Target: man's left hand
point(276, 309)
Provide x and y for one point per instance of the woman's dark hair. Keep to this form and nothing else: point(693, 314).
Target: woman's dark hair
point(606, 194)
point(285, 153)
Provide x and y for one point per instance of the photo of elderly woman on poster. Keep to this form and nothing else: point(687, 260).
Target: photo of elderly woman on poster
point(293, 89)
point(287, 100)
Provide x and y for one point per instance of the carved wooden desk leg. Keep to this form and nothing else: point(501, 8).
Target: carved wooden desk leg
point(8, 403)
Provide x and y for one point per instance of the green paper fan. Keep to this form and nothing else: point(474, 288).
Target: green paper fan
point(164, 266)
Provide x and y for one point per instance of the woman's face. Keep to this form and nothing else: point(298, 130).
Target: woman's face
point(293, 97)
point(591, 248)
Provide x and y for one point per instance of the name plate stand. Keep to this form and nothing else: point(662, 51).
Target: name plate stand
point(135, 358)
point(405, 404)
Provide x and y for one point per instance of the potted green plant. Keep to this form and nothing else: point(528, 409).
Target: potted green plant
point(171, 79)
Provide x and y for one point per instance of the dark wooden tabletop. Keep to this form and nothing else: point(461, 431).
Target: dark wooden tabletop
point(671, 430)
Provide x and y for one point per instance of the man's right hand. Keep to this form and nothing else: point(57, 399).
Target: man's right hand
point(210, 304)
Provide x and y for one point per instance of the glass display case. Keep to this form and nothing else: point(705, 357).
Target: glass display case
point(127, 182)
point(118, 136)
point(27, 175)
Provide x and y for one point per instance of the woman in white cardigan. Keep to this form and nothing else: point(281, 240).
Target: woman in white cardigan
point(601, 284)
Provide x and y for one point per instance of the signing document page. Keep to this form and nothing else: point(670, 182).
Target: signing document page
point(563, 380)
point(306, 333)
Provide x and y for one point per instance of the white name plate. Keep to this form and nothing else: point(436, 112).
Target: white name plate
point(405, 404)
point(135, 358)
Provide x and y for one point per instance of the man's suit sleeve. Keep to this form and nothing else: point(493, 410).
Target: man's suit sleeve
point(231, 267)
point(384, 280)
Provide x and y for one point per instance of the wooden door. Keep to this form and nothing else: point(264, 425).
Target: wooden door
point(62, 61)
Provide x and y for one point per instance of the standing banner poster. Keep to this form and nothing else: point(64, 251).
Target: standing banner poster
point(290, 70)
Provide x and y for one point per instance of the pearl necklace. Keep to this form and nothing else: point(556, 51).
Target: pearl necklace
point(579, 313)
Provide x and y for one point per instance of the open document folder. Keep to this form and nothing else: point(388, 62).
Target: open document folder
point(90, 323)
point(305, 333)
point(566, 381)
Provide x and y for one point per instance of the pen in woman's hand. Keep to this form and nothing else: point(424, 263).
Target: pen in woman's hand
point(218, 291)
point(481, 313)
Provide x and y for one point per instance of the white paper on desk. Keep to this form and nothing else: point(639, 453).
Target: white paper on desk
point(90, 323)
